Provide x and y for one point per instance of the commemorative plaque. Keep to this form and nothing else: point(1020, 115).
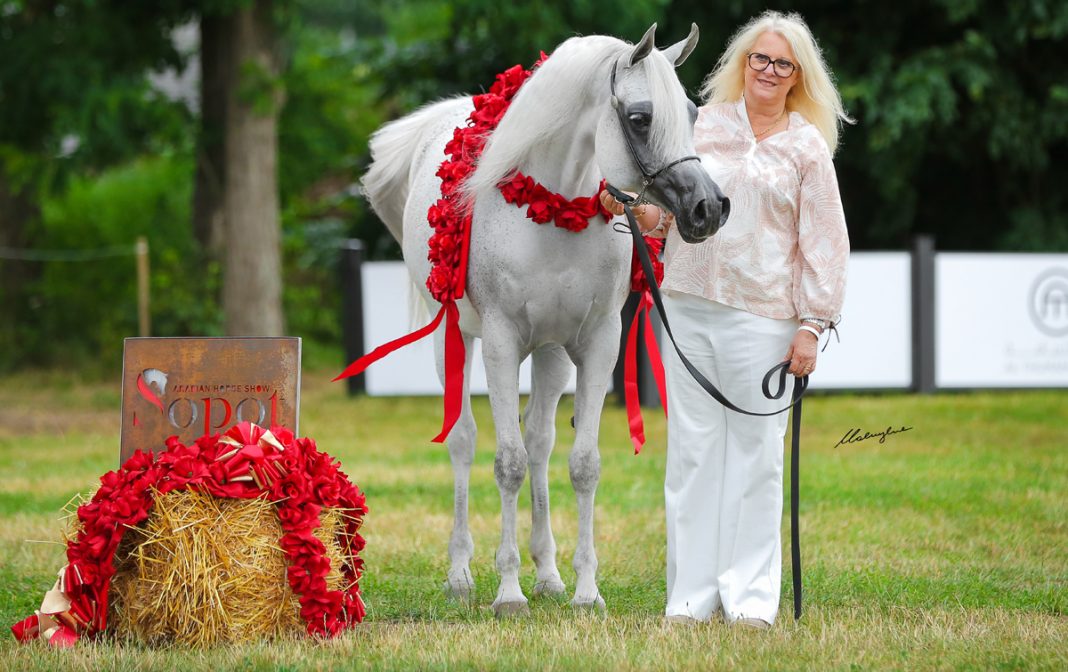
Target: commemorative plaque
point(190, 387)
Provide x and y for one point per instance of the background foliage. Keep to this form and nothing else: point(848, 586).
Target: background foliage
point(961, 109)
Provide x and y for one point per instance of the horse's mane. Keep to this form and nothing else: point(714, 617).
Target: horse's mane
point(576, 72)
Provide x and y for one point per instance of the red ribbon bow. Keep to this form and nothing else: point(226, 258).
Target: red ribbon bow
point(254, 457)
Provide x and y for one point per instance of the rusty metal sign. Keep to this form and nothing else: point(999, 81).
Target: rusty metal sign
point(190, 387)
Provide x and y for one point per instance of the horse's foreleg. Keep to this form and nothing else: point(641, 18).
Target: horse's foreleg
point(459, 583)
point(595, 363)
point(501, 353)
point(551, 369)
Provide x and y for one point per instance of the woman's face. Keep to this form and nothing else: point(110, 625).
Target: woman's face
point(768, 87)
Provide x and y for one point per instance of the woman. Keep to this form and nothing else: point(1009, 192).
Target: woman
point(761, 290)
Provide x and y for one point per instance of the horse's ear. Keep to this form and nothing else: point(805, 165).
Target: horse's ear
point(677, 53)
point(645, 45)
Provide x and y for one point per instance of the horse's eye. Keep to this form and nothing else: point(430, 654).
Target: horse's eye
point(640, 120)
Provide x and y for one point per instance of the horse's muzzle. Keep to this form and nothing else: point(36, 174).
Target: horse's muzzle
point(708, 216)
point(700, 207)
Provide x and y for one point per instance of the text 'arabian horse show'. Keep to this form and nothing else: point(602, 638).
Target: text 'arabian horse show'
point(548, 279)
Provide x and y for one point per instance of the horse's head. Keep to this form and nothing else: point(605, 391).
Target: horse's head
point(645, 138)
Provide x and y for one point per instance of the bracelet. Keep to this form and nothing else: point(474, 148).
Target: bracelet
point(662, 221)
point(805, 327)
point(821, 323)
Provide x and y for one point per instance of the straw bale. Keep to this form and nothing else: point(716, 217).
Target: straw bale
point(204, 571)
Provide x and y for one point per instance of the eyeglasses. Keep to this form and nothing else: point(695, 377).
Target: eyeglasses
point(760, 63)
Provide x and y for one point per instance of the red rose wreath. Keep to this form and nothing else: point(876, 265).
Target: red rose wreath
point(244, 463)
point(451, 240)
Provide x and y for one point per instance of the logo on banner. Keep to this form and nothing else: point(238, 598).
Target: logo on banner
point(1048, 302)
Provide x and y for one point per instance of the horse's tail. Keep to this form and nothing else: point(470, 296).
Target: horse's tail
point(393, 148)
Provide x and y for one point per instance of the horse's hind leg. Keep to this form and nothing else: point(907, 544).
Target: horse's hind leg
point(461, 441)
point(551, 370)
point(595, 361)
point(501, 353)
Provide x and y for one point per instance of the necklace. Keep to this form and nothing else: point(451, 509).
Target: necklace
point(773, 125)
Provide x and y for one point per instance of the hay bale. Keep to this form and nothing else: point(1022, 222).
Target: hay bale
point(203, 571)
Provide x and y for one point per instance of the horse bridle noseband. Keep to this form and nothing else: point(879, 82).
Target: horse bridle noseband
point(648, 176)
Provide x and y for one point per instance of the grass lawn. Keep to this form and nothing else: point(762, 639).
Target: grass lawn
point(943, 547)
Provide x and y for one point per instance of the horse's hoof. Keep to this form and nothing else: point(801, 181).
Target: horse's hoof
point(549, 588)
point(511, 609)
point(596, 604)
point(461, 591)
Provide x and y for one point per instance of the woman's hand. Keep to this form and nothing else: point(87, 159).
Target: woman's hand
point(802, 353)
point(647, 214)
point(611, 204)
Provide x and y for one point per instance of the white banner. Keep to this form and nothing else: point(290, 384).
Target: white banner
point(1001, 320)
point(876, 329)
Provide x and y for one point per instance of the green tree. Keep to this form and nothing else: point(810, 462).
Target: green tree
point(73, 97)
point(962, 115)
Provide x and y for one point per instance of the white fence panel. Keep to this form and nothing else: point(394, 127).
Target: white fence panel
point(876, 330)
point(1001, 320)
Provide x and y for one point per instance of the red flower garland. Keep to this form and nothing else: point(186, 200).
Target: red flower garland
point(450, 223)
point(449, 244)
point(245, 463)
point(547, 206)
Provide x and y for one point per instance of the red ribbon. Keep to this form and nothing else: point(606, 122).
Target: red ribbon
point(27, 629)
point(630, 371)
point(455, 354)
point(653, 350)
point(64, 638)
point(454, 371)
point(381, 351)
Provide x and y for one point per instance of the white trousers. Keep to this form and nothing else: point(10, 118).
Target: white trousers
point(723, 486)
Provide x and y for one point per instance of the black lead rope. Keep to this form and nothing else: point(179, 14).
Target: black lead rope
point(800, 386)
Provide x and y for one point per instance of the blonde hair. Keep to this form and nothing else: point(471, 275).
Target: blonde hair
point(815, 97)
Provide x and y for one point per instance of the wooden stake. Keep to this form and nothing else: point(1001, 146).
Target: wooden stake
point(144, 322)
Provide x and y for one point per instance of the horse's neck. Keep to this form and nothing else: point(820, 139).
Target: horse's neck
point(565, 162)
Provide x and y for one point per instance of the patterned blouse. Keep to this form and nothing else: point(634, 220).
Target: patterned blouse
point(784, 250)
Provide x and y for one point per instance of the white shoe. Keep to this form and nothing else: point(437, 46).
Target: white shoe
point(757, 623)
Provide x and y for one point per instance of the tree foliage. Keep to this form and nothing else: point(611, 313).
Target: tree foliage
point(962, 113)
point(961, 109)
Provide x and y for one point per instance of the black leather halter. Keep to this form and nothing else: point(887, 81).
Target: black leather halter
point(648, 176)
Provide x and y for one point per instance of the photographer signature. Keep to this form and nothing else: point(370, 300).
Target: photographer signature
point(855, 436)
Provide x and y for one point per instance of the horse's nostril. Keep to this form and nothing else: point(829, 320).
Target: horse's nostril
point(700, 211)
point(724, 210)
